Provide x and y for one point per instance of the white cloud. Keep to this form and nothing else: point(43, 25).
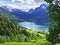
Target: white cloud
point(2, 3)
point(27, 4)
point(23, 5)
point(18, 1)
point(30, 2)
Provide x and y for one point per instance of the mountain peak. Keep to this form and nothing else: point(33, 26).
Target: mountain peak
point(9, 8)
point(44, 5)
point(40, 13)
point(31, 10)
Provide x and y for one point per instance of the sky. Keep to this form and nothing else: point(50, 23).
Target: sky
point(24, 5)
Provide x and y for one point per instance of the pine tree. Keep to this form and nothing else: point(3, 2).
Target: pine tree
point(54, 17)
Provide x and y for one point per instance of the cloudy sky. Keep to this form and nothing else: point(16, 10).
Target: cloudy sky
point(22, 4)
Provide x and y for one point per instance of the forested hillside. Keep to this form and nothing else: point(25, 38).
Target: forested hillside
point(10, 31)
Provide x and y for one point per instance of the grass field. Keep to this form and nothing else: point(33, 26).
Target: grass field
point(38, 42)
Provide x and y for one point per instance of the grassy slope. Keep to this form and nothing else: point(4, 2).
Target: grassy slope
point(39, 42)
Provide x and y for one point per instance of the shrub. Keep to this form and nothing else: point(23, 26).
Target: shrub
point(2, 39)
point(21, 37)
point(27, 39)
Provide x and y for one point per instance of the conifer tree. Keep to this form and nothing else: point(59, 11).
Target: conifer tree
point(54, 18)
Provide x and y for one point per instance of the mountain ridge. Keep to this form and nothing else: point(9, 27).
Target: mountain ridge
point(38, 15)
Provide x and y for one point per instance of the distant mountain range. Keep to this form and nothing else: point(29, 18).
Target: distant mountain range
point(38, 15)
point(8, 14)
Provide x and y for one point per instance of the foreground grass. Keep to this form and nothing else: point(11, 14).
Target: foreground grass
point(38, 42)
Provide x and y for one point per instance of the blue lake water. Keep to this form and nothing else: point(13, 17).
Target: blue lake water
point(34, 26)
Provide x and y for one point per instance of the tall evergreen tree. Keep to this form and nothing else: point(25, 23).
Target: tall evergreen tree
point(54, 16)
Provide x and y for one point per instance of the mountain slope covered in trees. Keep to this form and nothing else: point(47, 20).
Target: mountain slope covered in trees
point(10, 31)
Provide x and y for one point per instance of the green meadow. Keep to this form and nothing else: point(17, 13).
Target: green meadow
point(33, 42)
